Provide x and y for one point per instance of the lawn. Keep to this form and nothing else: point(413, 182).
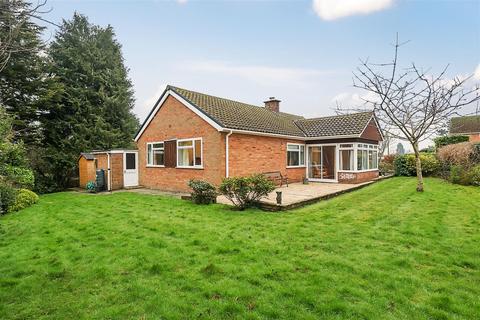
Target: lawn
point(383, 252)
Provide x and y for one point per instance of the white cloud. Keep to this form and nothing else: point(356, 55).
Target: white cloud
point(182, 1)
point(334, 9)
point(354, 100)
point(148, 103)
point(476, 75)
point(263, 75)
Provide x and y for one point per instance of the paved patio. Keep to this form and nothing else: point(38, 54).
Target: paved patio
point(299, 194)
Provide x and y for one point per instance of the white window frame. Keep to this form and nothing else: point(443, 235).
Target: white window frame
point(151, 165)
point(299, 152)
point(357, 148)
point(192, 147)
point(366, 147)
point(341, 147)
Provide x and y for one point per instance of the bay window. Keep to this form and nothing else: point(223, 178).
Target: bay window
point(367, 157)
point(295, 155)
point(189, 153)
point(155, 154)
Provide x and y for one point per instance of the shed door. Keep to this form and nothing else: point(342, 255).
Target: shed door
point(130, 169)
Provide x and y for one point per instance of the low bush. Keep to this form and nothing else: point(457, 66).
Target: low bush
point(386, 165)
point(457, 174)
point(91, 186)
point(462, 154)
point(203, 192)
point(405, 164)
point(464, 176)
point(24, 199)
point(245, 192)
point(447, 140)
point(474, 175)
point(7, 196)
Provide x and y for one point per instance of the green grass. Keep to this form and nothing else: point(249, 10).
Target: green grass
point(383, 252)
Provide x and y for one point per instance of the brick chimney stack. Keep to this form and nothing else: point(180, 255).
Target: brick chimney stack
point(272, 104)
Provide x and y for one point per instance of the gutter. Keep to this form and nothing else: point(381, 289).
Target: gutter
point(226, 153)
point(301, 138)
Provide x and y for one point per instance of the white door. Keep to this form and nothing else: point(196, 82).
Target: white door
point(130, 169)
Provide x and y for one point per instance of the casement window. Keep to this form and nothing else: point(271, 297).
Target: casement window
point(155, 154)
point(295, 155)
point(346, 157)
point(189, 153)
point(367, 157)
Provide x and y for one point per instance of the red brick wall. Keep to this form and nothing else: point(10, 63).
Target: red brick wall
point(175, 121)
point(256, 154)
point(357, 177)
point(116, 167)
point(474, 138)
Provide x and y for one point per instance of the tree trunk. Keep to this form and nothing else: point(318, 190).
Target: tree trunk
point(418, 165)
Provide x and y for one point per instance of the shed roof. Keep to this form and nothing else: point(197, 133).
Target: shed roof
point(87, 156)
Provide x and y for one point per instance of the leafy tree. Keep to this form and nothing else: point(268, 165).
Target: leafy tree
point(14, 171)
point(90, 103)
point(21, 68)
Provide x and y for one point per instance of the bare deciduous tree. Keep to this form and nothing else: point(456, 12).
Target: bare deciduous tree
point(411, 104)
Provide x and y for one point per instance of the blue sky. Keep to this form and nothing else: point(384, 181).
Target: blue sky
point(302, 52)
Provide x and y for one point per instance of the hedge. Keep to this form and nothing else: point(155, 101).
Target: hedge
point(405, 164)
point(446, 140)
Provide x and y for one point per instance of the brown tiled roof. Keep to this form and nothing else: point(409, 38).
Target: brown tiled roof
point(241, 116)
point(341, 125)
point(470, 124)
point(230, 114)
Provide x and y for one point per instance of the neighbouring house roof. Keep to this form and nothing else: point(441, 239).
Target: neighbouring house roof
point(470, 124)
point(341, 125)
point(233, 115)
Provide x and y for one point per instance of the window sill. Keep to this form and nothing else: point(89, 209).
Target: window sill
point(356, 171)
point(294, 167)
point(187, 167)
point(154, 166)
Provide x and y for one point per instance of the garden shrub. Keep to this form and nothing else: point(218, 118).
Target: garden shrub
point(386, 165)
point(91, 186)
point(24, 199)
point(245, 192)
point(7, 196)
point(462, 154)
point(456, 174)
point(447, 140)
point(474, 175)
point(457, 162)
point(405, 164)
point(203, 192)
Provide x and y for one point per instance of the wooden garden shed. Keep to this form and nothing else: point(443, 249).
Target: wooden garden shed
point(120, 167)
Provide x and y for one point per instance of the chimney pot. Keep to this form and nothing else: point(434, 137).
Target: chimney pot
point(272, 104)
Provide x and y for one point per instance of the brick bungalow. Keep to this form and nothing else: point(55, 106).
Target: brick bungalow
point(193, 135)
point(466, 126)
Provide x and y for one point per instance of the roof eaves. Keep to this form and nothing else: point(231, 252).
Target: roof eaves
point(197, 107)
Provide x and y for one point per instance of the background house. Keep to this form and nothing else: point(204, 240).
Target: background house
point(468, 126)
